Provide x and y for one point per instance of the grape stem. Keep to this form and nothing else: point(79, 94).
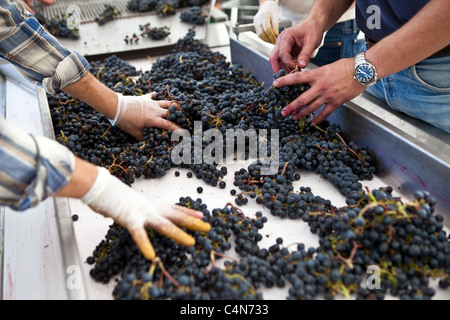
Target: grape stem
point(284, 168)
point(214, 253)
point(353, 151)
point(349, 260)
point(236, 209)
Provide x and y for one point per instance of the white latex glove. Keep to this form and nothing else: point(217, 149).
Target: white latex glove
point(136, 112)
point(112, 198)
point(266, 21)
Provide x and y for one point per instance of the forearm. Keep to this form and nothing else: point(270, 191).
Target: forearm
point(91, 91)
point(328, 12)
point(425, 34)
point(41, 56)
point(81, 181)
point(33, 167)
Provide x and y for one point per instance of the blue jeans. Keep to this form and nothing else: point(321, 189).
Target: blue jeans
point(421, 91)
point(340, 42)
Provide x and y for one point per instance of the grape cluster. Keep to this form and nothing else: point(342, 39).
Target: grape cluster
point(163, 7)
point(155, 33)
point(194, 15)
point(58, 26)
point(108, 14)
point(406, 241)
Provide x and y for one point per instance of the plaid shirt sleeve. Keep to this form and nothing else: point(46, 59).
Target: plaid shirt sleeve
point(28, 46)
point(33, 167)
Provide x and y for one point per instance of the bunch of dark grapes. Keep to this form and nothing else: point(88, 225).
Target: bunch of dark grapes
point(163, 7)
point(276, 192)
point(142, 5)
point(155, 33)
point(405, 240)
point(194, 15)
point(166, 8)
point(108, 14)
point(58, 26)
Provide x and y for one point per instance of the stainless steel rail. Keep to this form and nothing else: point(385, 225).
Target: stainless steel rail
point(72, 263)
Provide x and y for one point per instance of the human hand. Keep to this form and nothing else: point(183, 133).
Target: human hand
point(330, 85)
point(266, 21)
point(114, 199)
point(296, 45)
point(136, 112)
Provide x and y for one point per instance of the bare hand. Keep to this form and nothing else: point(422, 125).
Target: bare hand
point(331, 85)
point(294, 44)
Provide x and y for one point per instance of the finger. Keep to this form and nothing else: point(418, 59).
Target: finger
point(48, 2)
point(189, 211)
point(294, 78)
point(286, 46)
point(163, 124)
point(187, 221)
point(305, 54)
point(275, 27)
point(142, 241)
point(304, 99)
point(326, 111)
point(308, 109)
point(170, 230)
point(269, 30)
point(162, 103)
point(166, 104)
point(191, 223)
point(163, 113)
point(262, 34)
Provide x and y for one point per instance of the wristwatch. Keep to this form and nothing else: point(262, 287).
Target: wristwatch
point(364, 72)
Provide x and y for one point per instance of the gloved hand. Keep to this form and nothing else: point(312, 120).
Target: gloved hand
point(266, 21)
point(136, 112)
point(112, 198)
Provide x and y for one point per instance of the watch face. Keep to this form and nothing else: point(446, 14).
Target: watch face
point(364, 73)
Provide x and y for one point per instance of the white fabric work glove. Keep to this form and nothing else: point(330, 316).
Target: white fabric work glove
point(114, 199)
point(266, 21)
point(136, 112)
